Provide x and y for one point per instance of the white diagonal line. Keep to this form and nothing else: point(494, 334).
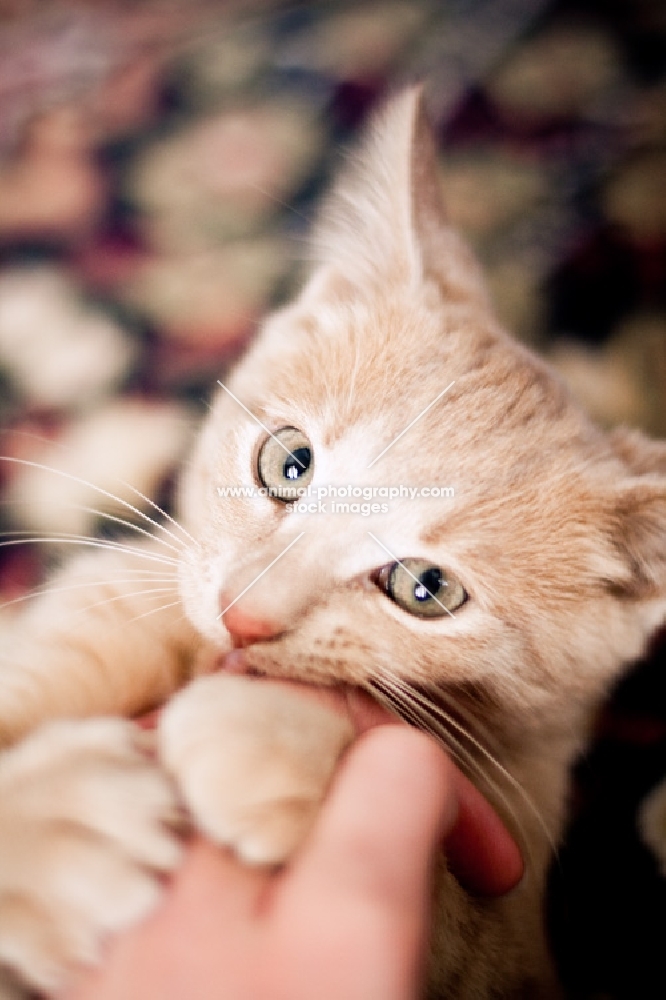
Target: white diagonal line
point(414, 578)
point(259, 575)
point(397, 438)
point(257, 420)
point(153, 611)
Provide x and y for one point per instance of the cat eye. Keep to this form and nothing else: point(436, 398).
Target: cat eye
point(285, 463)
point(421, 588)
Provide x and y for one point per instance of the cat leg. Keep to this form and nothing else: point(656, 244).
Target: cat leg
point(106, 637)
point(87, 829)
point(82, 810)
point(252, 760)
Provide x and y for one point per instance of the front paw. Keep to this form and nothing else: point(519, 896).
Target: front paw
point(252, 759)
point(86, 828)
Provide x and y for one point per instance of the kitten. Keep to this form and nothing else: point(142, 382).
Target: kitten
point(496, 618)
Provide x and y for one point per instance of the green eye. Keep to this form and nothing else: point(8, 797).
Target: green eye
point(285, 463)
point(421, 588)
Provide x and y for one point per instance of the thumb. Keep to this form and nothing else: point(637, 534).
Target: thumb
point(389, 810)
point(361, 883)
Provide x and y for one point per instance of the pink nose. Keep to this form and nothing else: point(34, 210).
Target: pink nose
point(243, 627)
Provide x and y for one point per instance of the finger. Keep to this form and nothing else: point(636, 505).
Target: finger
point(202, 933)
point(213, 877)
point(480, 851)
point(365, 712)
point(359, 890)
point(391, 800)
point(396, 781)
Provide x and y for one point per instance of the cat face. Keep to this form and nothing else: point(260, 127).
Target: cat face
point(543, 572)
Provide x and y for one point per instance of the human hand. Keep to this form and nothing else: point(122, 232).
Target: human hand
point(349, 916)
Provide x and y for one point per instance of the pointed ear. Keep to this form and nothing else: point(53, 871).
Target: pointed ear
point(384, 221)
point(640, 533)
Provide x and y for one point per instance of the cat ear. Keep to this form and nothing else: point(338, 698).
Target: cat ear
point(640, 511)
point(640, 533)
point(384, 220)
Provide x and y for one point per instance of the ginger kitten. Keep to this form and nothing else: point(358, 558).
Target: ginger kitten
point(495, 618)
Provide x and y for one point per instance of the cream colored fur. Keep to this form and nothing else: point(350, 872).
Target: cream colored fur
point(557, 532)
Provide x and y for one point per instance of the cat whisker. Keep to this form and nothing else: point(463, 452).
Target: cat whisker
point(154, 611)
point(438, 725)
point(111, 496)
point(395, 702)
point(470, 721)
point(111, 517)
point(506, 774)
point(120, 597)
point(425, 720)
point(169, 518)
point(39, 591)
point(401, 697)
point(129, 486)
point(133, 527)
point(434, 709)
point(411, 711)
point(64, 538)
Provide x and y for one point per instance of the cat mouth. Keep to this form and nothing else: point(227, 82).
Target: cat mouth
point(480, 852)
point(358, 705)
point(236, 663)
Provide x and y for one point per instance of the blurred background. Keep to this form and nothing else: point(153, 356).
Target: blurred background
point(159, 167)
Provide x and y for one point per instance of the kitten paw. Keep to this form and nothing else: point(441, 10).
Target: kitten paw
point(86, 828)
point(252, 760)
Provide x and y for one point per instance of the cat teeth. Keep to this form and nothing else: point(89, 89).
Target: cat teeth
point(235, 663)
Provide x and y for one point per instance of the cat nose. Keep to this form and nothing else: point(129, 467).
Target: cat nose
point(245, 628)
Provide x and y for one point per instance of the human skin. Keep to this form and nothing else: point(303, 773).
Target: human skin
point(348, 917)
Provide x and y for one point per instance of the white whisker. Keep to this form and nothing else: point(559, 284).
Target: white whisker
point(106, 493)
point(66, 539)
point(121, 597)
point(421, 718)
point(439, 722)
point(395, 700)
point(132, 526)
point(48, 589)
point(154, 611)
point(436, 710)
point(109, 517)
point(172, 520)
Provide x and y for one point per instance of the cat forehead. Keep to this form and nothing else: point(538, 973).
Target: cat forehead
point(378, 366)
point(359, 360)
